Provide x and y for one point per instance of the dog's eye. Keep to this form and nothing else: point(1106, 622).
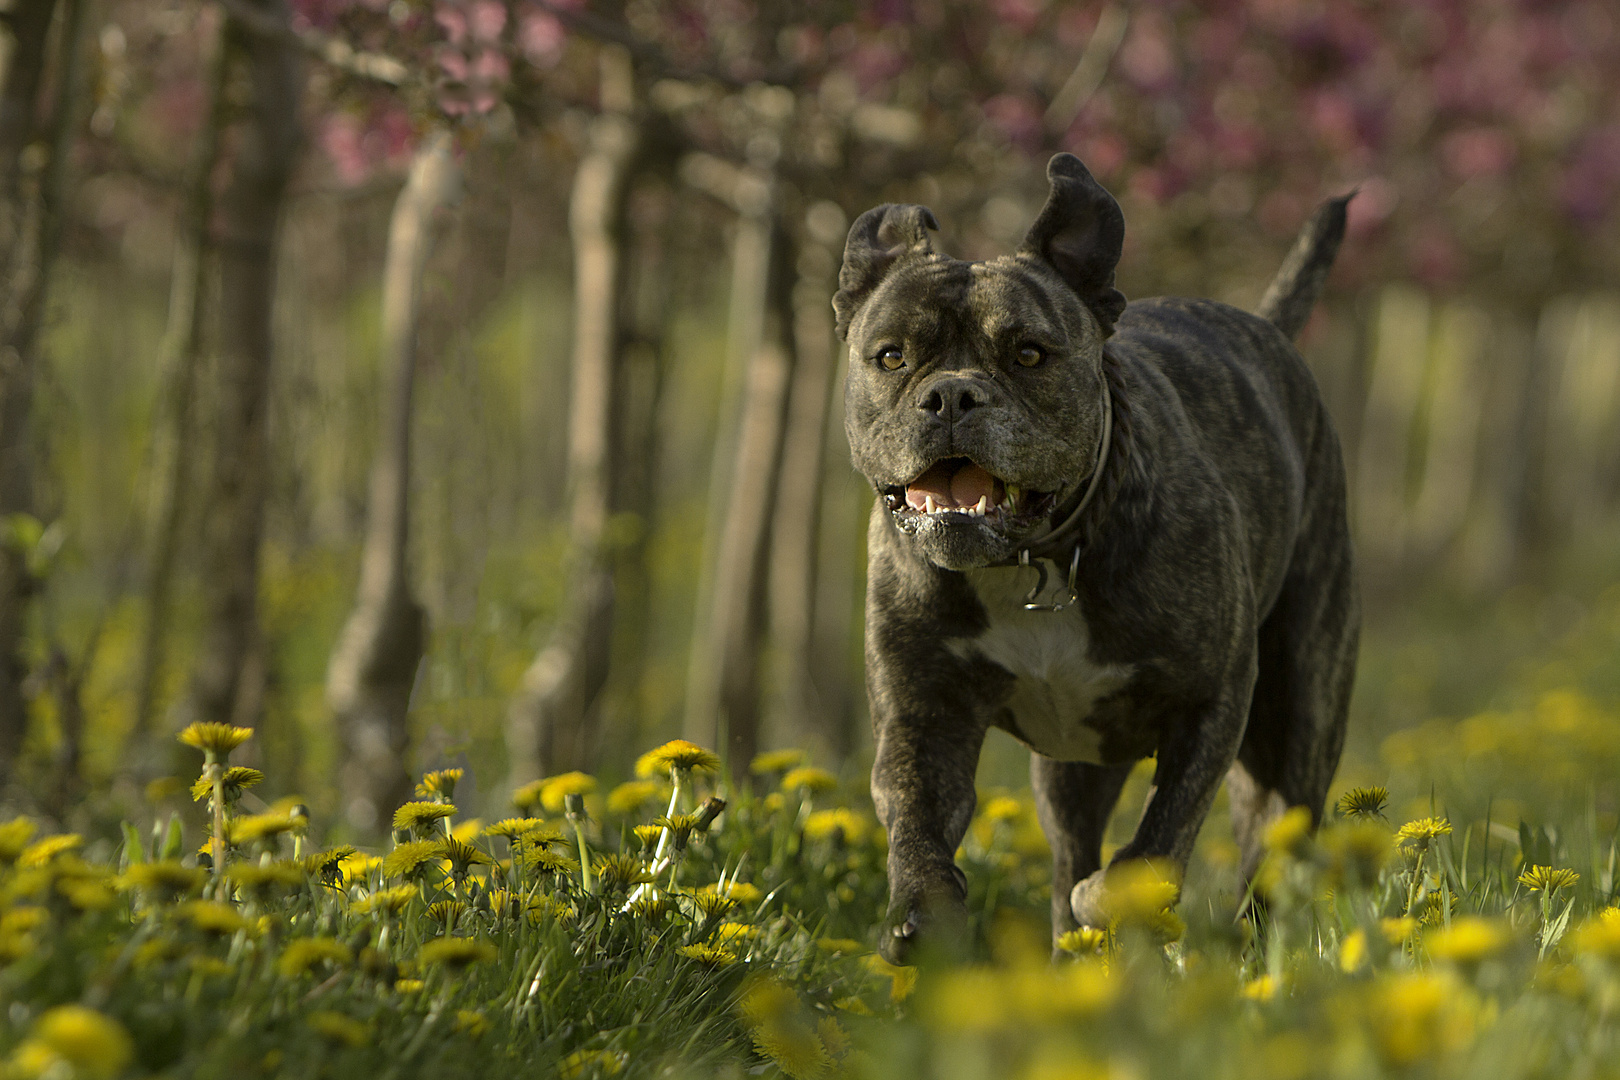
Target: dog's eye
point(1030, 355)
point(891, 357)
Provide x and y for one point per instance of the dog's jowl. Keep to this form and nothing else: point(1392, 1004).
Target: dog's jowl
point(1113, 531)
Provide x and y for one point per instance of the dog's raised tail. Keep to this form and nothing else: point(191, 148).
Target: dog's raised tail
point(1298, 283)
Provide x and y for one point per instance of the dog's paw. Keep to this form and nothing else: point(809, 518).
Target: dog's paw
point(939, 927)
point(1087, 898)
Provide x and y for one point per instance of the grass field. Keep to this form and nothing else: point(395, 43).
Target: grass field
point(1455, 917)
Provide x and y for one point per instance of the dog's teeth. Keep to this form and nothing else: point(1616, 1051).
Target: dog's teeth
point(983, 506)
point(928, 505)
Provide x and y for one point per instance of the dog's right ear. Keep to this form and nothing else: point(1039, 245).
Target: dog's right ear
point(878, 239)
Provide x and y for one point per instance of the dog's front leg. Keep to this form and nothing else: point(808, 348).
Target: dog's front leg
point(922, 784)
point(1193, 758)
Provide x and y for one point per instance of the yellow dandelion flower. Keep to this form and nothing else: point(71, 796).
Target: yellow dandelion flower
point(680, 828)
point(774, 761)
point(302, 954)
point(455, 953)
point(711, 904)
point(708, 955)
point(853, 1005)
point(902, 980)
point(87, 895)
point(547, 908)
point(14, 838)
point(42, 852)
point(237, 779)
point(20, 920)
point(744, 893)
point(471, 1023)
point(1353, 952)
point(840, 823)
point(463, 857)
point(527, 797)
point(618, 872)
point(630, 796)
point(554, 790)
point(1420, 834)
point(1290, 832)
point(1263, 988)
point(648, 835)
point(730, 933)
point(209, 967)
point(259, 879)
point(213, 917)
point(1397, 931)
point(162, 878)
point(550, 863)
point(422, 818)
point(386, 901)
point(258, 827)
point(782, 1032)
point(513, 827)
point(441, 783)
point(1468, 940)
point(215, 739)
point(840, 946)
point(1548, 879)
point(1139, 891)
point(14, 947)
point(1084, 941)
point(357, 868)
point(809, 779)
point(1420, 1015)
point(1599, 935)
point(679, 755)
point(1367, 802)
point(651, 909)
point(92, 1045)
point(410, 859)
point(1002, 809)
point(327, 866)
point(338, 1028)
point(408, 986)
point(588, 1063)
point(448, 912)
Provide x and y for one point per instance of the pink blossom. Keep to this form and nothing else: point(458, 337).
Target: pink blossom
point(1477, 151)
point(541, 37)
point(487, 19)
point(453, 20)
point(490, 66)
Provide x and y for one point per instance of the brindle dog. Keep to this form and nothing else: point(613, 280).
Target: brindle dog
point(1114, 531)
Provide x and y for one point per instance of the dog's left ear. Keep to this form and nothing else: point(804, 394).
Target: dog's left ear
point(1080, 234)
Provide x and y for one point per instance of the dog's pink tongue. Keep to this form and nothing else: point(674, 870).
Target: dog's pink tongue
point(951, 484)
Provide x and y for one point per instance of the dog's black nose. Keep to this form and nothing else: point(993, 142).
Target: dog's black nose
point(950, 399)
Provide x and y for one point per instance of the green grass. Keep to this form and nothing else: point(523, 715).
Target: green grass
point(1382, 948)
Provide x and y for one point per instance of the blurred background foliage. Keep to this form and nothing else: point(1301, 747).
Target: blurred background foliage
point(622, 503)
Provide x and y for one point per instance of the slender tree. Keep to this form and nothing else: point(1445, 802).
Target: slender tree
point(265, 148)
point(182, 354)
point(33, 182)
point(552, 719)
point(369, 680)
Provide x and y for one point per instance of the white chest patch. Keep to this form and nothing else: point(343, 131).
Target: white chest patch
point(1047, 653)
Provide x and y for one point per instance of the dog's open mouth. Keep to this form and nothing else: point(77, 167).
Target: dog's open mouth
point(960, 486)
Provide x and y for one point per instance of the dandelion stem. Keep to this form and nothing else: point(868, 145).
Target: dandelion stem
point(215, 771)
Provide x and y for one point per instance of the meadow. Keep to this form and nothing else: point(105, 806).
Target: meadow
point(1458, 919)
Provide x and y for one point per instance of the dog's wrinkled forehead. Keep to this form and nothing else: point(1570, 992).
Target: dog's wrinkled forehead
point(941, 303)
point(1073, 246)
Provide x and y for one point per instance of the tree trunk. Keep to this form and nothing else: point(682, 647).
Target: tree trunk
point(29, 239)
point(722, 693)
point(552, 719)
point(373, 668)
point(797, 526)
point(265, 152)
point(182, 351)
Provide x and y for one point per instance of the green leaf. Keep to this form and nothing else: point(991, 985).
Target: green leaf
point(174, 842)
point(134, 850)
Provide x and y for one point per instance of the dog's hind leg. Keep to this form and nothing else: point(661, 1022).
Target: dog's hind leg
point(1306, 664)
point(1073, 800)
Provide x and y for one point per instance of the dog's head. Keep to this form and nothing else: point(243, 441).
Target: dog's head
point(974, 400)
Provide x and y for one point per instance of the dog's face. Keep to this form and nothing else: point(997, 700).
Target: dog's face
point(974, 400)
